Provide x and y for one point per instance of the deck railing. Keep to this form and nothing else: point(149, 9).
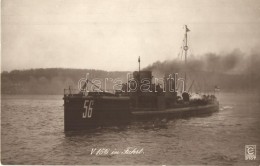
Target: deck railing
point(71, 91)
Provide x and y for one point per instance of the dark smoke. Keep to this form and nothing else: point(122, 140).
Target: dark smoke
point(233, 70)
point(210, 62)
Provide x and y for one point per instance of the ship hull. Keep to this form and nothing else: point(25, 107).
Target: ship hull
point(181, 112)
point(89, 112)
point(82, 113)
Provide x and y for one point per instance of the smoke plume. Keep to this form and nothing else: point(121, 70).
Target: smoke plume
point(233, 70)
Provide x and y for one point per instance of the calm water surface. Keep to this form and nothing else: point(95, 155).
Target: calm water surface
point(32, 133)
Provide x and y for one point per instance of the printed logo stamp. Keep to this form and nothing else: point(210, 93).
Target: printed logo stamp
point(250, 152)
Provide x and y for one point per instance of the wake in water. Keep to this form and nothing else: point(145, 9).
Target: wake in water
point(225, 108)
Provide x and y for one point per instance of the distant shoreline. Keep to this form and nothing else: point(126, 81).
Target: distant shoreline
point(55, 94)
point(53, 81)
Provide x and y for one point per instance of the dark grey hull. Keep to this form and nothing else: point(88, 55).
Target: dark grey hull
point(82, 113)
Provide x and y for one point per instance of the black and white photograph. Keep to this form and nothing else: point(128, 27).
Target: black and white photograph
point(130, 82)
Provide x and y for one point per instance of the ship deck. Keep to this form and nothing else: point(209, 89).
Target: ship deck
point(175, 110)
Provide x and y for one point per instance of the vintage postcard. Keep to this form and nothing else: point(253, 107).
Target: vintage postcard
point(130, 82)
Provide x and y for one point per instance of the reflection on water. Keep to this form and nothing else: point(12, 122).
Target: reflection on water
point(32, 133)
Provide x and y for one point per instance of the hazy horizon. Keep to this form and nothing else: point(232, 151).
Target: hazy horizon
point(110, 35)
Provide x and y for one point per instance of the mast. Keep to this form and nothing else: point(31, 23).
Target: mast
point(139, 76)
point(185, 49)
point(139, 63)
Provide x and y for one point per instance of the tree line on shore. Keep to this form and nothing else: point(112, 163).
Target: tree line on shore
point(55, 80)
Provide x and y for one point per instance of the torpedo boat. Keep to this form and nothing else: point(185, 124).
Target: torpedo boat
point(140, 98)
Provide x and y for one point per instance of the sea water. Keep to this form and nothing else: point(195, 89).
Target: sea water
point(32, 132)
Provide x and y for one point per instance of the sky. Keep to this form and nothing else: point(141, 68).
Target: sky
point(111, 34)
